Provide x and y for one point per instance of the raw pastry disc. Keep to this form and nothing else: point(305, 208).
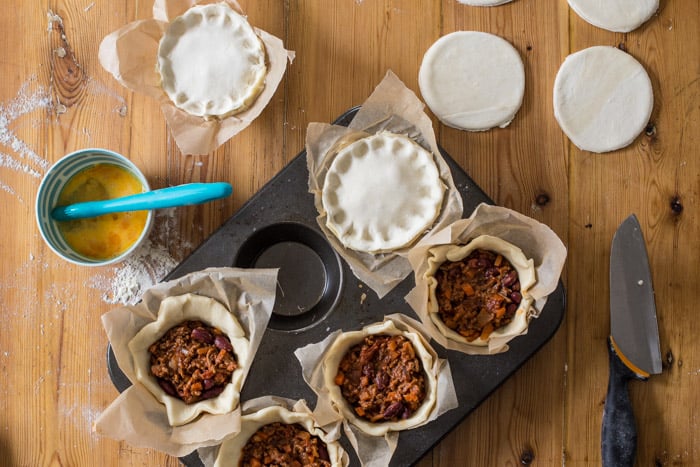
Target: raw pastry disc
point(484, 2)
point(381, 192)
point(615, 15)
point(602, 98)
point(472, 80)
point(211, 62)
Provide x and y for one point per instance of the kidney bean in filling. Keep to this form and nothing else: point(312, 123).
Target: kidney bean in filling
point(477, 294)
point(193, 361)
point(284, 444)
point(382, 378)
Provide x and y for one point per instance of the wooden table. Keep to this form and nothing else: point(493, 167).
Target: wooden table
point(55, 98)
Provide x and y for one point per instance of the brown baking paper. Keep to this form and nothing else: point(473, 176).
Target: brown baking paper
point(208, 454)
point(373, 451)
point(395, 108)
point(536, 240)
point(136, 416)
point(130, 55)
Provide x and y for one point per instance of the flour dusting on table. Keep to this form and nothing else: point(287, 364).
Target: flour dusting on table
point(145, 267)
point(29, 98)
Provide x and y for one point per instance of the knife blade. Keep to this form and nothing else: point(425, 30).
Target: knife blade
point(633, 345)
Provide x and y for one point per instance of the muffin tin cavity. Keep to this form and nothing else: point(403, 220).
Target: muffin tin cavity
point(310, 272)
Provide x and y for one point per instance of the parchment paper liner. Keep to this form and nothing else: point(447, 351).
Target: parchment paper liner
point(395, 108)
point(373, 451)
point(208, 454)
point(130, 55)
point(535, 239)
point(136, 416)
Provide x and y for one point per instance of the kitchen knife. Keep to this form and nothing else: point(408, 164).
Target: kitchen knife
point(633, 344)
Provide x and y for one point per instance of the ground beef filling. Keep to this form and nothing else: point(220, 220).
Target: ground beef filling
point(477, 294)
point(382, 378)
point(193, 361)
point(286, 445)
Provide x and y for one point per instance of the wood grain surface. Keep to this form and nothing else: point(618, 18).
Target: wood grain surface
point(55, 98)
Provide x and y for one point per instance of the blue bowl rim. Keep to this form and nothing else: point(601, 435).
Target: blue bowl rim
point(42, 211)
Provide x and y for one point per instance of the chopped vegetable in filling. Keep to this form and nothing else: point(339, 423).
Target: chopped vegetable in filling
point(477, 294)
point(193, 361)
point(281, 444)
point(382, 378)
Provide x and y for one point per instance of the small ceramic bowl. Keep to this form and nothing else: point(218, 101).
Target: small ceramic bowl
point(51, 186)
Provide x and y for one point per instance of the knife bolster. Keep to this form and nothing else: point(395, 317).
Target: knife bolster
point(639, 373)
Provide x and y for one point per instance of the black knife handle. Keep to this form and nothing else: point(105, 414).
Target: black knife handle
point(619, 434)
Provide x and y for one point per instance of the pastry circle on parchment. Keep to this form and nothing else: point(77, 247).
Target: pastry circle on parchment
point(472, 80)
point(173, 311)
point(344, 342)
point(230, 451)
point(615, 15)
point(526, 274)
point(381, 192)
point(603, 98)
point(211, 62)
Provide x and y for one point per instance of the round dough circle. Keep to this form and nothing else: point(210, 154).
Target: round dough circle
point(615, 15)
point(603, 98)
point(211, 62)
point(472, 80)
point(381, 192)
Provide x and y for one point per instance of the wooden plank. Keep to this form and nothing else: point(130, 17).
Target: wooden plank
point(523, 167)
point(55, 97)
point(644, 178)
point(344, 52)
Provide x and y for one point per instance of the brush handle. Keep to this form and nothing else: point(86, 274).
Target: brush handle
point(181, 195)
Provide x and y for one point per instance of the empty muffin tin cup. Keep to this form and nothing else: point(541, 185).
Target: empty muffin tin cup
point(310, 272)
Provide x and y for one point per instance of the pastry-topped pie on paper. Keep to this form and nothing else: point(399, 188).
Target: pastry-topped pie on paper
point(211, 62)
point(173, 311)
point(381, 192)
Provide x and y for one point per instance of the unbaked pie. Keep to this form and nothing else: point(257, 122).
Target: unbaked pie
point(381, 193)
point(192, 323)
point(211, 62)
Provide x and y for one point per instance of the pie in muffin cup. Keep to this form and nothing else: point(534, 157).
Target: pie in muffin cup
point(137, 416)
point(375, 443)
point(271, 409)
point(533, 249)
point(173, 311)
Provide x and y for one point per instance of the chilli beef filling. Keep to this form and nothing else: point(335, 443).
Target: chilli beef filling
point(477, 294)
point(284, 444)
point(193, 361)
point(382, 378)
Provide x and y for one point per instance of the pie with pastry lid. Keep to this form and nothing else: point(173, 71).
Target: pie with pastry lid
point(381, 193)
point(211, 62)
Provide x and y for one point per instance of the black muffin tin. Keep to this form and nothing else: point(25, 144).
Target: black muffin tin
point(318, 294)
